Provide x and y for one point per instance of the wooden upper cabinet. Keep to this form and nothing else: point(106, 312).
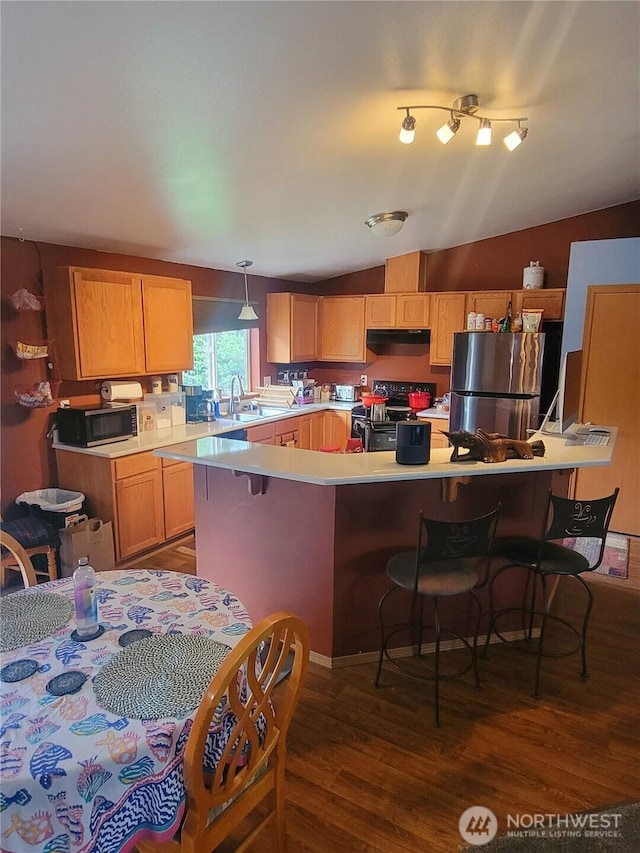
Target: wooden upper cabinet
point(552, 301)
point(447, 317)
point(342, 328)
point(381, 311)
point(491, 303)
point(398, 311)
point(292, 327)
point(412, 310)
point(406, 273)
point(168, 324)
point(108, 324)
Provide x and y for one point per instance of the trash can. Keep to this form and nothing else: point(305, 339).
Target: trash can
point(58, 507)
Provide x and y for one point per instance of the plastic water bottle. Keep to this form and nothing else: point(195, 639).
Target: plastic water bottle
point(86, 600)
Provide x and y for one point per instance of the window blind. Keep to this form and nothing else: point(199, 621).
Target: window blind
point(212, 314)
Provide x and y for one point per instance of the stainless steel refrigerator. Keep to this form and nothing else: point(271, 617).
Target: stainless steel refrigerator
point(496, 381)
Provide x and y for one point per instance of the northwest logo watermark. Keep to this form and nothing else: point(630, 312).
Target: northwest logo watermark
point(478, 825)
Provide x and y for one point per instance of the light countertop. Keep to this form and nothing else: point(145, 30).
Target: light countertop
point(433, 412)
point(332, 469)
point(158, 438)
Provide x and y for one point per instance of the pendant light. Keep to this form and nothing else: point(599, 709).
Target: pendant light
point(247, 312)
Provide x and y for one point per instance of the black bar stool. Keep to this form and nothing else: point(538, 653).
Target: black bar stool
point(546, 558)
point(443, 564)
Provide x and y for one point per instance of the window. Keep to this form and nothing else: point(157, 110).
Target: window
point(217, 356)
point(221, 344)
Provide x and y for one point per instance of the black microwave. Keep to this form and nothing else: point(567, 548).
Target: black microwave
point(88, 426)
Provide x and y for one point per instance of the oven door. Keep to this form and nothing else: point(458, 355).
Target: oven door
point(379, 437)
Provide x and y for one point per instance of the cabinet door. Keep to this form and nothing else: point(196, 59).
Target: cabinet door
point(177, 491)
point(168, 324)
point(552, 301)
point(611, 395)
point(292, 327)
point(95, 317)
point(304, 327)
point(317, 430)
point(139, 513)
point(262, 434)
point(491, 303)
point(337, 428)
point(412, 311)
point(381, 311)
point(406, 273)
point(342, 328)
point(304, 432)
point(438, 424)
point(447, 317)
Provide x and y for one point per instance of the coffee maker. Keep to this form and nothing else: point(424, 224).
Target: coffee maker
point(193, 402)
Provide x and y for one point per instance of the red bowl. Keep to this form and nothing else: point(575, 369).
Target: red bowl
point(370, 399)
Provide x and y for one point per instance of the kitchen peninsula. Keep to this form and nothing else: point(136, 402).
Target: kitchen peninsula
point(312, 532)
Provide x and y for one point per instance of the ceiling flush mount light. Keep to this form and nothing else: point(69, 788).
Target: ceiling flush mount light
point(465, 107)
point(387, 224)
point(247, 312)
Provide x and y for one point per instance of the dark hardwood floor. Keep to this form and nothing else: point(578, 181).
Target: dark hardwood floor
point(368, 771)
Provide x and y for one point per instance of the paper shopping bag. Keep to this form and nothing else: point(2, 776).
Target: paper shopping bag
point(93, 539)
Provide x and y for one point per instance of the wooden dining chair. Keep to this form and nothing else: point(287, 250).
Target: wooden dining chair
point(251, 768)
point(18, 556)
point(36, 537)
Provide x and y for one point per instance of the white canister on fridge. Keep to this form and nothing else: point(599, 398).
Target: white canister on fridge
point(533, 276)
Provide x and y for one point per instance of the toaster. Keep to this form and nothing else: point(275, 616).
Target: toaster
point(348, 393)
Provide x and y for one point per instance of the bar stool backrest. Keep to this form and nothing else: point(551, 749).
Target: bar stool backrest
point(455, 540)
point(571, 519)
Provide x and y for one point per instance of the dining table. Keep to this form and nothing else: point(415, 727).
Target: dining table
point(78, 774)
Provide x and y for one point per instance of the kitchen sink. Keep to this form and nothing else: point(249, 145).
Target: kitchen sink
point(244, 417)
point(270, 411)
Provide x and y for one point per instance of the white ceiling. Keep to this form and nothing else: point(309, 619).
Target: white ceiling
point(209, 132)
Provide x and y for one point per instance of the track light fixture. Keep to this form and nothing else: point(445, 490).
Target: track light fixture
point(465, 107)
point(247, 312)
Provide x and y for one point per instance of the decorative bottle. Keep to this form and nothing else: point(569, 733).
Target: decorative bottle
point(86, 600)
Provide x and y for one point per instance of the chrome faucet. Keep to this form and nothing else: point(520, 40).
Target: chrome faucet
point(232, 406)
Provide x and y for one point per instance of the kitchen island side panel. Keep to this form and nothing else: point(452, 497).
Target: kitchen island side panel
point(321, 551)
point(275, 551)
point(375, 521)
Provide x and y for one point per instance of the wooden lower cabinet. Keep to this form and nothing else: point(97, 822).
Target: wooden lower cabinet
point(311, 431)
point(261, 434)
point(286, 432)
point(337, 428)
point(437, 424)
point(147, 503)
point(177, 491)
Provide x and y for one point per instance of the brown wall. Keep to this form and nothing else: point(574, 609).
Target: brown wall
point(28, 463)
point(25, 455)
point(492, 264)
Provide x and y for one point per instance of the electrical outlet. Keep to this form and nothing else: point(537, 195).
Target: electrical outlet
point(266, 381)
point(363, 379)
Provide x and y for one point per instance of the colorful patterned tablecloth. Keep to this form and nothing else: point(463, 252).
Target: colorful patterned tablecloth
point(76, 778)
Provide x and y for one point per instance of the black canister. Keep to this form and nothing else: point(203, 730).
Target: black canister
point(413, 442)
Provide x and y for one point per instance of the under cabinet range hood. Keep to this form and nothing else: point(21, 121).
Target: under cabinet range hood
point(379, 338)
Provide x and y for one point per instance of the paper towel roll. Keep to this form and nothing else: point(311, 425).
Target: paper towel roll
point(120, 390)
